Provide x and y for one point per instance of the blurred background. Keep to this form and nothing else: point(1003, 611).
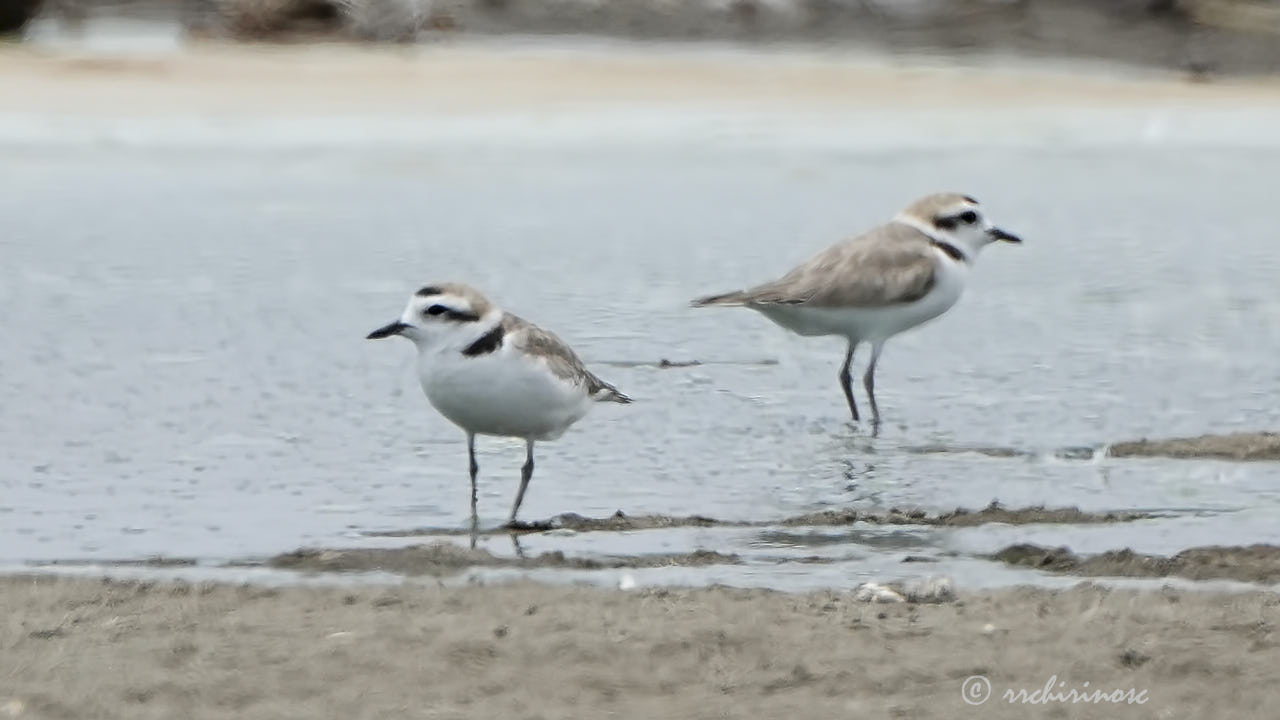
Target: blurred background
point(1195, 35)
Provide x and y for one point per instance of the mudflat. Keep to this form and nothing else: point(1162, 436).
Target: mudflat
point(1259, 563)
point(1233, 446)
point(76, 648)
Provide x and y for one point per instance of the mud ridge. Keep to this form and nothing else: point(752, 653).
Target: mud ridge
point(1232, 446)
point(444, 558)
point(617, 522)
point(960, 517)
point(1252, 563)
point(155, 561)
point(994, 451)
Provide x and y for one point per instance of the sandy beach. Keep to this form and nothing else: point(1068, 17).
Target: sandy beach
point(478, 75)
point(77, 648)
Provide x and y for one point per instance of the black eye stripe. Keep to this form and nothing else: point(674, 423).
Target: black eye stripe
point(451, 314)
point(949, 222)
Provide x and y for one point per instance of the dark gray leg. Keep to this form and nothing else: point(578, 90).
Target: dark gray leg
point(475, 470)
point(845, 379)
point(526, 472)
point(869, 382)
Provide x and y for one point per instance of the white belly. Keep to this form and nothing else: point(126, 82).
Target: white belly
point(503, 393)
point(873, 324)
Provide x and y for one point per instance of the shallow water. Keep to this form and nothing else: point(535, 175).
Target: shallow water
point(185, 373)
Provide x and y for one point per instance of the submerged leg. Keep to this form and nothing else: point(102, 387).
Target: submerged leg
point(526, 472)
point(845, 380)
point(869, 382)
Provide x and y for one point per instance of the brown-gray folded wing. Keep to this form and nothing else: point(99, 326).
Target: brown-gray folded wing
point(559, 357)
point(892, 264)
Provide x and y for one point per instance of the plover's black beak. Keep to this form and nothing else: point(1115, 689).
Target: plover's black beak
point(998, 234)
point(394, 328)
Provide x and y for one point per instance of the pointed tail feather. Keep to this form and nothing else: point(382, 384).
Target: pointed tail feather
point(609, 393)
point(602, 391)
point(737, 297)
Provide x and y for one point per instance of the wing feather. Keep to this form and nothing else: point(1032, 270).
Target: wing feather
point(560, 358)
point(892, 264)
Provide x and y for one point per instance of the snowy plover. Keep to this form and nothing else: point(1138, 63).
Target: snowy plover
point(492, 373)
point(874, 286)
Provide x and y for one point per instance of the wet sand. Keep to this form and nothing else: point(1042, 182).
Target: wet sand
point(1235, 446)
point(1253, 563)
point(442, 558)
point(92, 648)
point(961, 517)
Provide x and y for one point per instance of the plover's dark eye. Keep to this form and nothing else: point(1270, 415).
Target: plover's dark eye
point(436, 310)
point(969, 217)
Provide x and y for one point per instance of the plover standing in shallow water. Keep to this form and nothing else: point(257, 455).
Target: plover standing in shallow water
point(878, 284)
point(492, 373)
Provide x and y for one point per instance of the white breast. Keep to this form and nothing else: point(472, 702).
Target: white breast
point(503, 393)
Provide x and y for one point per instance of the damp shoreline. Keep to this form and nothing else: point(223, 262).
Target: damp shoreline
point(1258, 563)
point(290, 652)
